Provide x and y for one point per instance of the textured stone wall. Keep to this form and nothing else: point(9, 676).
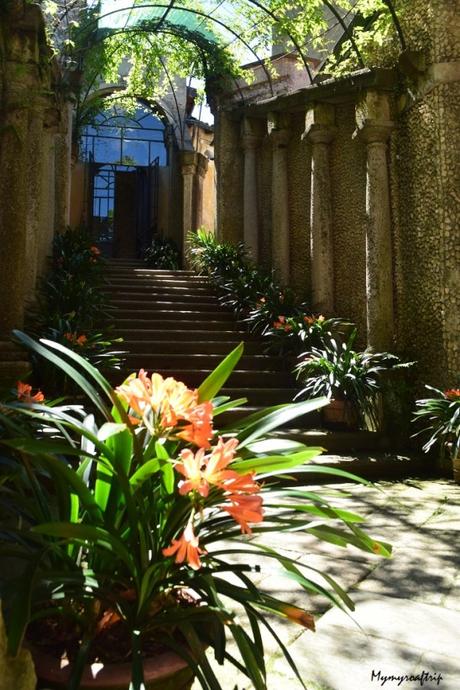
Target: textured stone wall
point(348, 181)
point(426, 200)
point(299, 162)
point(229, 164)
point(30, 120)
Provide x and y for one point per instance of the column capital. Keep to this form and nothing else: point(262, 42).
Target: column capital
point(373, 117)
point(320, 134)
point(249, 142)
point(189, 161)
point(374, 132)
point(320, 125)
point(279, 132)
point(251, 136)
point(280, 137)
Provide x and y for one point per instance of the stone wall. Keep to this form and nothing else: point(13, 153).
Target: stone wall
point(34, 174)
point(389, 157)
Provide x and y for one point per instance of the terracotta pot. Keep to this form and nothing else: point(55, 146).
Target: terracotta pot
point(340, 413)
point(456, 469)
point(166, 671)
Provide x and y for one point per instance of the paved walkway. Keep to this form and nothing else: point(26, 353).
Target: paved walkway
point(407, 616)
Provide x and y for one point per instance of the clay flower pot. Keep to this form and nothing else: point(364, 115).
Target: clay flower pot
point(165, 671)
point(340, 413)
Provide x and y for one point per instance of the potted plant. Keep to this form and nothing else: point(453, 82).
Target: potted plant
point(127, 516)
point(350, 379)
point(440, 415)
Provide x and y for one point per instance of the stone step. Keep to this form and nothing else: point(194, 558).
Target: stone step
point(174, 306)
point(260, 397)
point(158, 334)
point(150, 315)
point(141, 269)
point(149, 361)
point(139, 292)
point(150, 279)
point(169, 324)
point(184, 346)
point(239, 378)
point(147, 274)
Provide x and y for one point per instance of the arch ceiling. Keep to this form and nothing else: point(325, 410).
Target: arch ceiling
point(224, 33)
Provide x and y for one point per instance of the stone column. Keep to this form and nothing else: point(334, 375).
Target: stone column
point(21, 80)
point(374, 128)
point(320, 131)
point(188, 169)
point(250, 140)
point(63, 147)
point(201, 170)
point(278, 128)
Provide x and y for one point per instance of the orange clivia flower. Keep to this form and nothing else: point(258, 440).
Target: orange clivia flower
point(288, 328)
point(201, 471)
point(170, 402)
point(186, 548)
point(199, 431)
point(299, 616)
point(95, 250)
point(191, 468)
point(244, 509)
point(81, 340)
point(24, 393)
point(452, 394)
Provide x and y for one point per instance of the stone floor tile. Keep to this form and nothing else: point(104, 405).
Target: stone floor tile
point(409, 623)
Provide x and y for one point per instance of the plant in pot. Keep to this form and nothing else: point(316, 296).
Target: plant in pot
point(440, 416)
point(292, 334)
point(128, 517)
point(350, 379)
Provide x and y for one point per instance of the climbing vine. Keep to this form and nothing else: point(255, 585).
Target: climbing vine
point(214, 37)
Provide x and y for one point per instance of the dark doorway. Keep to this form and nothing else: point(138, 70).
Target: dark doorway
point(124, 152)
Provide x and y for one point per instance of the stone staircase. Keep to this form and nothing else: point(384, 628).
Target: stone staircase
point(172, 323)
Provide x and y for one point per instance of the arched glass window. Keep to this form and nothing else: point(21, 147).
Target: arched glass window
point(127, 139)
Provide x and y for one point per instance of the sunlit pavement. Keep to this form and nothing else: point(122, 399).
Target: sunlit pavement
point(404, 632)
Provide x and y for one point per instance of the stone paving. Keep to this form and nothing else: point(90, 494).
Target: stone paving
point(407, 616)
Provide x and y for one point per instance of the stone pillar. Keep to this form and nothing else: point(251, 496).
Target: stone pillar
point(21, 80)
point(374, 128)
point(278, 128)
point(63, 165)
point(188, 169)
point(250, 140)
point(320, 131)
point(201, 170)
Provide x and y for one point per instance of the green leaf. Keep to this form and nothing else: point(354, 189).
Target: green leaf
point(110, 429)
point(274, 463)
point(279, 417)
point(141, 475)
point(214, 382)
point(80, 380)
point(88, 533)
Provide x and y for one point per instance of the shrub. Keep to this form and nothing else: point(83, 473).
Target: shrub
point(440, 416)
point(129, 515)
point(162, 254)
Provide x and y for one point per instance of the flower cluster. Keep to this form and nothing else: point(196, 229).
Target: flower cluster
point(24, 393)
point(202, 473)
point(166, 404)
point(75, 339)
point(282, 325)
point(452, 394)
